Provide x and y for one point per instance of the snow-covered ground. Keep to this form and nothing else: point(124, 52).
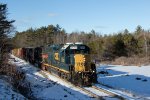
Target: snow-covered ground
point(7, 92)
point(133, 81)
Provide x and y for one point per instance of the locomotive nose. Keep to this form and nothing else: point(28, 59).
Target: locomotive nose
point(81, 62)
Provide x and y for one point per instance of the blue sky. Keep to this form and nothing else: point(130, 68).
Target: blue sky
point(104, 16)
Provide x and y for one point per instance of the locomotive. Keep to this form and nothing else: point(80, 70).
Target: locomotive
point(70, 61)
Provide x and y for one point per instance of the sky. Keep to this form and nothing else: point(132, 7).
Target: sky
point(103, 16)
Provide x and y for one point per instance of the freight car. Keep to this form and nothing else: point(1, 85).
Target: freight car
point(70, 61)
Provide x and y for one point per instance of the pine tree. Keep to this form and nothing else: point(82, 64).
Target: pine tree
point(5, 28)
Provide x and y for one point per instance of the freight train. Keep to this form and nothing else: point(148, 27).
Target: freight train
point(70, 61)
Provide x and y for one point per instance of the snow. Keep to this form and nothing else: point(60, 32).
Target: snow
point(130, 82)
point(133, 81)
point(7, 92)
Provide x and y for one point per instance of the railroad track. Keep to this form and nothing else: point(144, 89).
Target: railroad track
point(108, 92)
point(124, 96)
point(88, 90)
point(92, 95)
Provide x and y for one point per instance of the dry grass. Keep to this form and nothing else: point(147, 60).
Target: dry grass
point(135, 60)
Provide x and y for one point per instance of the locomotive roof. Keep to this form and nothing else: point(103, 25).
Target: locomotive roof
point(29, 47)
point(72, 45)
point(65, 46)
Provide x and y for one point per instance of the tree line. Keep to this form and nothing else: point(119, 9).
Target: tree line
point(104, 47)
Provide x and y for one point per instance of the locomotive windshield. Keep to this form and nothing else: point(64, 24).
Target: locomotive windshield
point(75, 49)
point(79, 49)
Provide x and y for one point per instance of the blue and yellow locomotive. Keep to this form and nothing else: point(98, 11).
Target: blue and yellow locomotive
point(70, 61)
